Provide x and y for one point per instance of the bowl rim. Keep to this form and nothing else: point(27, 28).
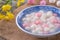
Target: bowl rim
point(45, 35)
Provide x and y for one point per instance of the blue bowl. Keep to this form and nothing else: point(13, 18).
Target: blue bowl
point(36, 8)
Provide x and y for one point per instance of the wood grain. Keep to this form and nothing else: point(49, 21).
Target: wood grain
point(10, 31)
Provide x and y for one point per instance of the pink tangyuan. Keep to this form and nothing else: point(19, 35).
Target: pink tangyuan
point(54, 20)
point(31, 1)
point(59, 21)
point(43, 2)
point(25, 24)
point(38, 22)
point(57, 25)
point(45, 25)
point(38, 14)
point(54, 14)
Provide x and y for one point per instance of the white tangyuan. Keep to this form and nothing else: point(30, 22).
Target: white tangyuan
point(52, 17)
point(28, 19)
point(28, 28)
point(48, 22)
point(28, 15)
point(32, 14)
point(43, 17)
point(38, 30)
point(46, 29)
point(23, 19)
point(34, 19)
point(39, 27)
point(33, 26)
point(41, 11)
point(34, 31)
point(51, 25)
point(52, 1)
point(49, 13)
point(53, 29)
point(58, 3)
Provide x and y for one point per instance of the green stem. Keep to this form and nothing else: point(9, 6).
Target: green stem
point(8, 2)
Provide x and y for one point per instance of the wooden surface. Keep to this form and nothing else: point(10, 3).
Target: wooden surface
point(10, 31)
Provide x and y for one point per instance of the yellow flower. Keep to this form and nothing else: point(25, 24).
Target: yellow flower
point(9, 16)
point(22, 1)
point(18, 3)
point(6, 18)
point(1, 16)
point(6, 7)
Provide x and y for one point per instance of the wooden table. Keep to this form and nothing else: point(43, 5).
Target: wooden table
point(10, 31)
